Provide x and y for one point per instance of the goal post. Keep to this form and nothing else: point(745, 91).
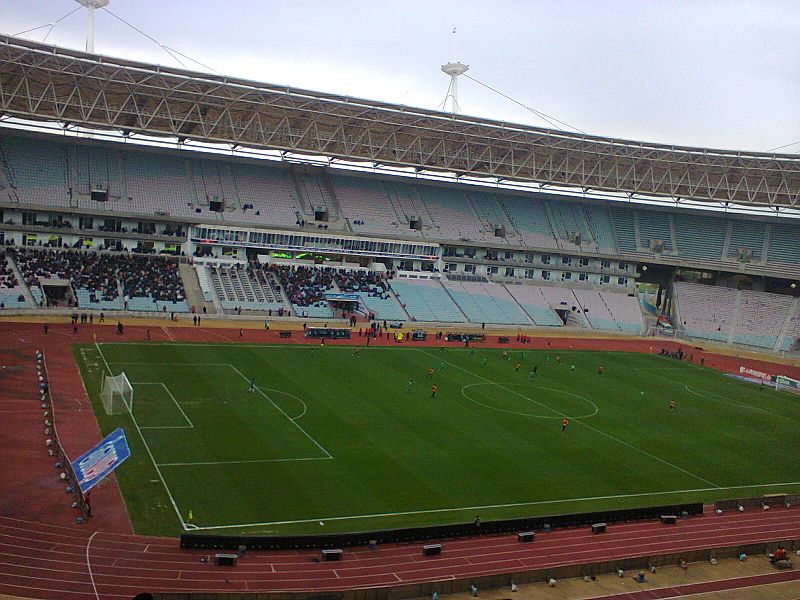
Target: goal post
point(117, 394)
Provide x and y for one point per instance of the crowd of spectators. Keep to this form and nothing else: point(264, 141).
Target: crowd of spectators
point(367, 282)
point(7, 278)
point(99, 273)
point(87, 270)
point(155, 278)
point(305, 286)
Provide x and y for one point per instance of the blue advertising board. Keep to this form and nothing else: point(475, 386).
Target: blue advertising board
point(93, 465)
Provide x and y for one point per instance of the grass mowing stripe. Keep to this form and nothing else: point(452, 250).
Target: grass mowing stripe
point(149, 452)
point(242, 462)
point(720, 399)
point(166, 389)
point(601, 432)
point(490, 506)
point(308, 435)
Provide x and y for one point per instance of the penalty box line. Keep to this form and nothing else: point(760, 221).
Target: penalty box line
point(595, 429)
point(184, 525)
point(174, 401)
point(493, 506)
point(327, 454)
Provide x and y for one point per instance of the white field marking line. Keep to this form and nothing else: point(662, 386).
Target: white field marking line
point(149, 452)
point(175, 402)
point(601, 432)
point(89, 565)
point(308, 435)
point(242, 462)
point(511, 505)
point(167, 333)
point(305, 408)
point(512, 412)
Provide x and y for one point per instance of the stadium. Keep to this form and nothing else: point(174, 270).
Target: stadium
point(266, 342)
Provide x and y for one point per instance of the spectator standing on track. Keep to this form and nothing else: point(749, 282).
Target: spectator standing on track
point(46, 328)
point(120, 328)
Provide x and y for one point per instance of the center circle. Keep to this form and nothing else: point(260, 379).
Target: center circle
point(554, 415)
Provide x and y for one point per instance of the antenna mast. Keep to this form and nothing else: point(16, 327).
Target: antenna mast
point(91, 5)
point(453, 69)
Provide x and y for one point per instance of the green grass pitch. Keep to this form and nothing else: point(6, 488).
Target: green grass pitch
point(331, 437)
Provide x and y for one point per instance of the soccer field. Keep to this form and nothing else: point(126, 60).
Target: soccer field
point(334, 437)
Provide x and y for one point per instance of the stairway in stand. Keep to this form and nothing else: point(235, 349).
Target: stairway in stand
point(194, 295)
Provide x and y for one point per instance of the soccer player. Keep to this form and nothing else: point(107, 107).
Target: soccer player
point(600, 369)
point(641, 395)
point(531, 375)
point(516, 367)
point(572, 368)
point(434, 389)
point(505, 354)
point(356, 351)
point(564, 425)
point(430, 373)
point(442, 367)
point(672, 405)
point(252, 385)
point(472, 351)
point(410, 386)
point(558, 358)
point(484, 361)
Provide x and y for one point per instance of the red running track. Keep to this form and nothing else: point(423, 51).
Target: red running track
point(42, 555)
point(46, 561)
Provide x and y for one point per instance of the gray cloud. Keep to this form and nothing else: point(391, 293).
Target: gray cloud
point(711, 73)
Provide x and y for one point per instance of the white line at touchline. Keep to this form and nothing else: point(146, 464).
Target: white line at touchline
point(489, 506)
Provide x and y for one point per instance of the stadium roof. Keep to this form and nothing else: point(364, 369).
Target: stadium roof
point(43, 82)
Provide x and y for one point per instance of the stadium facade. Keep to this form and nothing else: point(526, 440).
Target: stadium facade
point(596, 215)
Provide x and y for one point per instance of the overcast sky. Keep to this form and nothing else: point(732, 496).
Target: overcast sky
point(723, 74)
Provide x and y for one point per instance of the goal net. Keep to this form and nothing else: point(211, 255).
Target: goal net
point(117, 394)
